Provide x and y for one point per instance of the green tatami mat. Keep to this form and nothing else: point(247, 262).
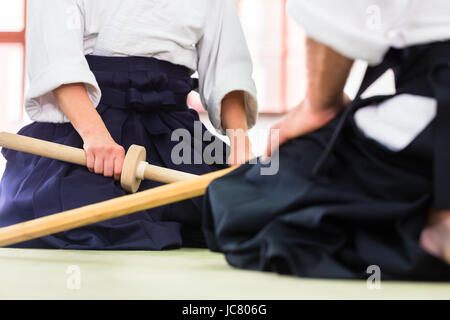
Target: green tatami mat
point(181, 274)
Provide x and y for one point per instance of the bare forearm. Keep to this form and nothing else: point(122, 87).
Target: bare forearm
point(234, 121)
point(233, 111)
point(76, 105)
point(327, 73)
point(104, 155)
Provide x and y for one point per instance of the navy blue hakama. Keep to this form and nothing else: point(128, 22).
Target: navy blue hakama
point(143, 102)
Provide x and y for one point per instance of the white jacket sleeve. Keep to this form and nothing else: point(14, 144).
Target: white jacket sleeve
point(358, 29)
point(224, 63)
point(55, 56)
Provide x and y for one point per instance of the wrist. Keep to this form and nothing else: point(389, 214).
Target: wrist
point(89, 132)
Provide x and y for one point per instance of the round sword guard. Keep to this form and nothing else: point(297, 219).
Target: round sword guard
point(133, 159)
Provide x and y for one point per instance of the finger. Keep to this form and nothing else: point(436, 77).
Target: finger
point(238, 151)
point(108, 167)
point(90, 161)
point(245, 156)
point(268, 152)
point(99, 164)
point(270, 140)
point(118, 165)
point(276, 139)
point(237, 161)
point(239, 155)
point(231, 159)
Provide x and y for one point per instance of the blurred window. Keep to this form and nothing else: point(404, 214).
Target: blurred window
point(12, 61)
point(277, 48)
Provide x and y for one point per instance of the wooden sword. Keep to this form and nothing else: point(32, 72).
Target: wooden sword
point(110, 209)
point(135, 168)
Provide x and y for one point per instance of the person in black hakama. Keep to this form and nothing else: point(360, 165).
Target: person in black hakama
point(357, 179)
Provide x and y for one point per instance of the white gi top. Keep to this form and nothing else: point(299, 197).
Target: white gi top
point(366, 29)
point(203, 35)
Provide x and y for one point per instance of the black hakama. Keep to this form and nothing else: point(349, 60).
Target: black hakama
point(341, 202)
point(143, 102)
